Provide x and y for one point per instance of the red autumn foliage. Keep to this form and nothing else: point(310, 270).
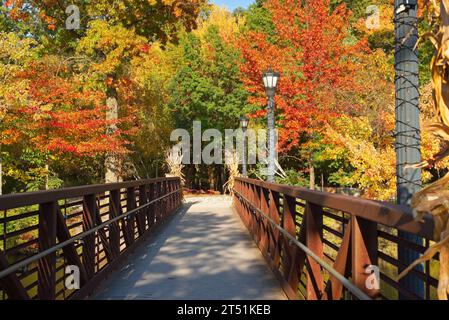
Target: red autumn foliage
point(62, 117)
point(317, 58)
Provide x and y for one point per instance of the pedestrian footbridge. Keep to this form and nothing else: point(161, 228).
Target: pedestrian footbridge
point(146, 240)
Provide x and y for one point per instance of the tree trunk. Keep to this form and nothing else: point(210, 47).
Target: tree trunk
point(211, 173)
point(312, 175)
point(47, 169)
point(322, 181)
point(220, 179)
point(112, 161)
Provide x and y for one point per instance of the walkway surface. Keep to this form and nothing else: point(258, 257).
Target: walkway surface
point(203, 253)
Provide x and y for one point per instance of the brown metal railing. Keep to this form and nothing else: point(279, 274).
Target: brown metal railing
point(319, 245)
point(91, 227)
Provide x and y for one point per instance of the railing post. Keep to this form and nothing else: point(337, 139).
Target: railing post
point(258, 219)
point(289, 255)
point(158, 203)
point(245, 205)
point(114, 229)
point(141, 216)
point(364, 246)
point(253, 216)
point(131, 205)
point(264, 206)
point(131, 220)
point(168, 199)
point(275, 246)
point(235, 200)
point(314, 239)
point(164, 200)
point(172, 197)
point(47, 239)
point(178, 194)
point(89, 222)
point(152, 206)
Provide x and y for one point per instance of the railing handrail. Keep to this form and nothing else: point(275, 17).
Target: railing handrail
point(17, 200)
point(93, 227)
point(345, 282)
point(388, 214)
point(40, 255)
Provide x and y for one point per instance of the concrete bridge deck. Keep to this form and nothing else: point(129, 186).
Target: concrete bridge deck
point(203, 253)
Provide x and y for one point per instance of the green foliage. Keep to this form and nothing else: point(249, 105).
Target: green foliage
point(258, 18)
point(293, 178)
point(207, 86)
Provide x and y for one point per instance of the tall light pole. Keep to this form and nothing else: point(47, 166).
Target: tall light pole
point(270, 81)
point(244, 123)
point(408, 136)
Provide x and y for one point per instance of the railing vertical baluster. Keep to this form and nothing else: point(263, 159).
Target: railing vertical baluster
point(11, 284)
point(89, 222)
point(364, 247)
point(314, 239)
point(47, 239)
point(342, 265)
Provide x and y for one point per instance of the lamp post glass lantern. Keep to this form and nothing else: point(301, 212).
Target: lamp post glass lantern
point(271, 81)
point(244, 121)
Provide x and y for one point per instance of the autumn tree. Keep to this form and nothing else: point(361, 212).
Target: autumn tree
point(313, 48)
point(48, 113)
point(208, 86)
point(111, 35)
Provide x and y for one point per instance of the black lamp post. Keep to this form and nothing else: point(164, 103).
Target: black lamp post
point(244, 121)
point(408, 138)
point(270, 81)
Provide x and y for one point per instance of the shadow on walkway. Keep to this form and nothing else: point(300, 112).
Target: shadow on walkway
point(203, 253)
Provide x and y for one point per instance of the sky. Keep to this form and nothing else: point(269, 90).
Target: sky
point(232, 4)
